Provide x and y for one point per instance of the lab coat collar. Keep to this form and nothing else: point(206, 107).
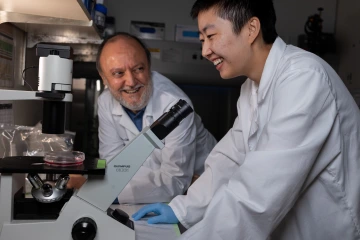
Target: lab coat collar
point(124, 120)
point(117, 109)
point(149, 107)
point(271, 65)
point(148, 114)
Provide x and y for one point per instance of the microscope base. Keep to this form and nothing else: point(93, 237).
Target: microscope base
point(60, 229)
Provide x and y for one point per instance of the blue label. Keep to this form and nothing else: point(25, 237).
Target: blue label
point(190, 34)
point(147, 30)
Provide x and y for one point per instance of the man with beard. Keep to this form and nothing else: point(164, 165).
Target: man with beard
point(135, 97)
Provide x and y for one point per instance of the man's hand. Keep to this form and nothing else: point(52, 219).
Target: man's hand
point(164, 212)
point(76, 181)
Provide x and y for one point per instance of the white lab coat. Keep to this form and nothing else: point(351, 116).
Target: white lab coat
point(298, 175)
point(167, 172)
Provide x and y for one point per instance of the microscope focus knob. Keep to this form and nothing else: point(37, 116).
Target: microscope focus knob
point(120, 215)
point(84, 229)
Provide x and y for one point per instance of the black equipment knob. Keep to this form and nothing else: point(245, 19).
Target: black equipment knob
point(120, 215)
point(47, 190)
point(84, 229)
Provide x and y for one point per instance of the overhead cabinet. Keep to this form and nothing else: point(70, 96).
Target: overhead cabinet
point(58, 21)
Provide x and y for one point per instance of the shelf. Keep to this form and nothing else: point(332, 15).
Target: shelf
point(61, 21)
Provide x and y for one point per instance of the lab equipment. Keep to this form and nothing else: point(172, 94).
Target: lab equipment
point(313, 24)
point(63, 159)
point(86, 215)
point(55, 81)
point(315, 40)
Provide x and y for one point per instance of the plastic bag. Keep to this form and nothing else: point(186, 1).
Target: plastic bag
point(30, 141)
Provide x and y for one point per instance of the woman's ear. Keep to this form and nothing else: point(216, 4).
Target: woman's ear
point(254, 28)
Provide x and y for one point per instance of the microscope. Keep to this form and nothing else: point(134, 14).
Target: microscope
point(87, 214)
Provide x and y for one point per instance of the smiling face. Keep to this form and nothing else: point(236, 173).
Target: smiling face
point(229, 52)
point(126, 72)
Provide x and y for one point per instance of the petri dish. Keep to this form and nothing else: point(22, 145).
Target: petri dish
point(63, 159)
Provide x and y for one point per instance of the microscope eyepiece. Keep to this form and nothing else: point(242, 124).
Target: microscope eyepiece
point(171, 119)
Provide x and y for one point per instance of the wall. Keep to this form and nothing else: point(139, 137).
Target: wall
point(170, 12)
point(178, 12)
point(348, 42)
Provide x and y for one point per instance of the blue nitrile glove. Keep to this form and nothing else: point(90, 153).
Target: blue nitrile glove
point(164, 212)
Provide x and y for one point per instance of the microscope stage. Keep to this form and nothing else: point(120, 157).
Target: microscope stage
point(36, 164)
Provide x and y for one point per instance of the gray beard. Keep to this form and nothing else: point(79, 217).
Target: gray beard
point(144, 99)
